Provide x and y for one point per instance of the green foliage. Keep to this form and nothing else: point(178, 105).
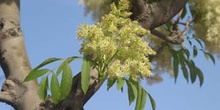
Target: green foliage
point(55, 89)
point(66, 81)
point(135, 92)
point(153, 103)
point(132, 91)
point(37, 72)
point(85, 78)
point(175, 64)
point(181, 57)
point(141, 98)
point(201, 43)
point(58, 90)
point(120, 83)
point(43, 86)
point(110, 82)
point(209, 55)
point(34, 74)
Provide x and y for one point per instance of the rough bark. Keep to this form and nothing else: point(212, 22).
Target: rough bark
point(77, 94)
point(14, 60)
point(16, 66)
point(156, 14)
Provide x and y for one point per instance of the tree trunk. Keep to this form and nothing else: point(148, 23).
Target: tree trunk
point(14, 60)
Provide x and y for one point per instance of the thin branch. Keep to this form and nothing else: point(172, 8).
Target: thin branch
point(6, 97)
point(170, 39)
point(186, 25)
point(7, 94)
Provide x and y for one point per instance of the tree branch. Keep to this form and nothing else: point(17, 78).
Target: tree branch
point(175, 38)
point(77, 99)
point(14, 60)
point(158, 13)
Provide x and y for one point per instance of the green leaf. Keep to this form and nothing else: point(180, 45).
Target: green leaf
point(47, 61)
point(190, 43)
point(181, 57)
point(187, 37)
point(139, 97)
point(55, 89)
point(120, 83)
point(143, 99)
point(175, 62)
point(212, 57)
point(191, 66)
point(131, 92)
point(153, 103)
point(198, 40)
point(195, 52)
point(122, 89)
point(42, 89)
point(185, 72)
point(66, 81)
point(168, 26)
point(187, 53)
point(182, 61)
point(34, 74)
point(193, 76)
point(175, 66)
point(70, 59)
point(208, 55)
point(110, 83)
point(85, 79)
point(134, 88)
point(60, 68)
point(200, 75)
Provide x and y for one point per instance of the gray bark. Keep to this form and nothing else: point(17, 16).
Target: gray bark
point(14, 60)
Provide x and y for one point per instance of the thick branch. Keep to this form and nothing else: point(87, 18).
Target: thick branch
point(77, 99)
point(14, 60)
point(153, 15)
point(156, 14)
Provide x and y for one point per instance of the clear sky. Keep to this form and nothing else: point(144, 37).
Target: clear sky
point(50, 29)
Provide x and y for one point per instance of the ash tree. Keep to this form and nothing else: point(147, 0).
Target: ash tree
point(132, 40)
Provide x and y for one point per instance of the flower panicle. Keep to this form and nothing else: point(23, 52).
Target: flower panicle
point(116, 42)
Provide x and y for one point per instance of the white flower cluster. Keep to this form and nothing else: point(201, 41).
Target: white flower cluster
point(116, 45)
point(209, 24)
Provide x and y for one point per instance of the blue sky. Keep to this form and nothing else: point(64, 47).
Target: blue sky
point(50, 29)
